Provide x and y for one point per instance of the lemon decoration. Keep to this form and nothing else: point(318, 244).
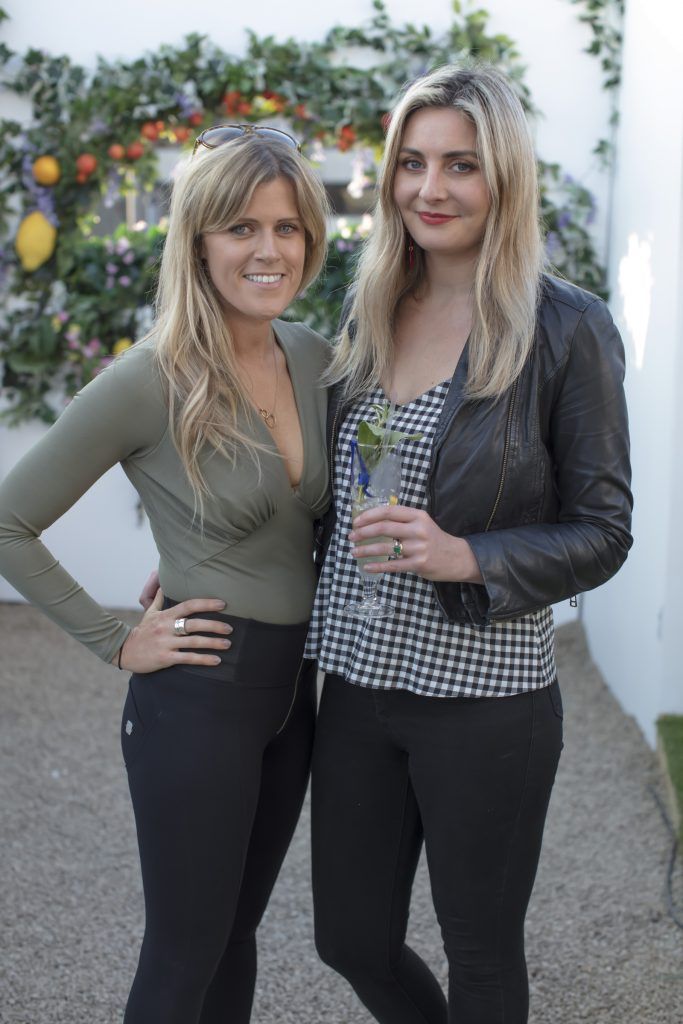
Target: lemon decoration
point(121, 345)
point(35, 241)
point(46, 170)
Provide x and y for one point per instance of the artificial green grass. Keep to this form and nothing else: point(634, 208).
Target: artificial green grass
point(670, 731)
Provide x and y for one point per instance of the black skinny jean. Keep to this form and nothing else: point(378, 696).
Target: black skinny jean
point(217, 767)
point(472, 778)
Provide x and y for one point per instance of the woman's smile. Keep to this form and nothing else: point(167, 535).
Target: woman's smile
point(256, 263)
point(436, 218)
point(439, 183)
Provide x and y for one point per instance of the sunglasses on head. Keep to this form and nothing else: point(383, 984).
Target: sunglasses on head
point(211, 138)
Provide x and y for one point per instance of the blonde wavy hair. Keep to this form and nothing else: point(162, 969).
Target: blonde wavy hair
point(511, 260)
point(194, 348)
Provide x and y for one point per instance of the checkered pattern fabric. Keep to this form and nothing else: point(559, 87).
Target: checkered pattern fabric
point(416, 648)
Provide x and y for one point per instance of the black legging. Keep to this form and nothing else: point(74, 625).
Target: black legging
point(217, 769)
point(472, 776)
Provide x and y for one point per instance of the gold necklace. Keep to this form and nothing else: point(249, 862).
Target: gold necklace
point(268, 416)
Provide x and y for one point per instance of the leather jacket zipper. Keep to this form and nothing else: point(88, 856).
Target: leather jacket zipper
point(506, 450)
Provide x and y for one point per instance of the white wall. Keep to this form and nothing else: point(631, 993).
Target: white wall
point(643, 605)
point(100, 540)
point(565, 85)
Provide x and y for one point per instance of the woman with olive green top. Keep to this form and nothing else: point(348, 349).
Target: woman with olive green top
point(256, 527)
point(218, 420)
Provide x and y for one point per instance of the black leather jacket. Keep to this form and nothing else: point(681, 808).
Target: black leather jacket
point(538, 481)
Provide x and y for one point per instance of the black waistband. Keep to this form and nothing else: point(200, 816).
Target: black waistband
point(261, 653)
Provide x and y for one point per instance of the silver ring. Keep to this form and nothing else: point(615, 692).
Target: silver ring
point(179, 627)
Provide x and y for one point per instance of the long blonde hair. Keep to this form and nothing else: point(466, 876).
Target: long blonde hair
point(509, 266)
point(195, 350)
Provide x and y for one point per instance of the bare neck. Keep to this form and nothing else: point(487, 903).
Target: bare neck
point(448, 282)
point(253, 342)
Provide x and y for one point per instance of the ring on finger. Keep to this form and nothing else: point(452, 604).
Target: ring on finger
point(179, 627)
point(398, 548)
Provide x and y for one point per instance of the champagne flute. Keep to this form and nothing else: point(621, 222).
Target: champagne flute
point(375, 480)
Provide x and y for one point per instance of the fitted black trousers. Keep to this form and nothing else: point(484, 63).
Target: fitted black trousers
point(471, 777)
point(217, 765)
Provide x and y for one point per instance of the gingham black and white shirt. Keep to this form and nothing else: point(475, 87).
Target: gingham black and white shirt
point(416, 648)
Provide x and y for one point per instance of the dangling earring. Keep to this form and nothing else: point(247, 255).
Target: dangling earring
point(411, 253)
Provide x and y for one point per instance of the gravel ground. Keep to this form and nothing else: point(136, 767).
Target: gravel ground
point(601, 946)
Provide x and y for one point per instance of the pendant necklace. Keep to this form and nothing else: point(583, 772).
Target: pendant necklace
point(268, 416)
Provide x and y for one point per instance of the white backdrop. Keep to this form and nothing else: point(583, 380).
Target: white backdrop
point(643, 605)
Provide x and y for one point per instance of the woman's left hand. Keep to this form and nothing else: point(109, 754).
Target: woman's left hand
point(427, 550)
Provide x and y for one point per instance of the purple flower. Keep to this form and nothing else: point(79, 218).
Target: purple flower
point(73, 344)
point(124, 281)
point(46, 204)
point(109, 283)
point(98, 126)
point(186, 106)
point(93, 348)
point(122, 245)
point(62, 316)
point(564, 219)
point(111, 269)
point(552, 244)
point(128, 257)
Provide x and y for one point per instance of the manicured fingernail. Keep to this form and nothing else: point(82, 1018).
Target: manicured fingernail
point(226, 643)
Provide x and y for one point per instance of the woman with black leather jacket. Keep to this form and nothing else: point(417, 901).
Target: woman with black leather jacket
point(442, 722)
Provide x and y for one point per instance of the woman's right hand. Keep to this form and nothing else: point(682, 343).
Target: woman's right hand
point(153, 644)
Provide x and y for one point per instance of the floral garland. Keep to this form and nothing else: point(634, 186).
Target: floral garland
point(74, 299)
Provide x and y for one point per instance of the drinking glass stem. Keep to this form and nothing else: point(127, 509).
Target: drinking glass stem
point(370, 590)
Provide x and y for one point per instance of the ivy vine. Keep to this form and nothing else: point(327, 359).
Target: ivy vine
point(605, 19)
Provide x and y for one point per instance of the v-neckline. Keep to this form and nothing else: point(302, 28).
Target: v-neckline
point(296, 391)
point(462, 362)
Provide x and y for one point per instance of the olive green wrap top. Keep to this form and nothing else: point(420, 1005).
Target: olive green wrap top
point(254, 547)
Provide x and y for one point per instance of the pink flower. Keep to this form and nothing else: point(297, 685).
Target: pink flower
point(124, 281)
point(93, 348)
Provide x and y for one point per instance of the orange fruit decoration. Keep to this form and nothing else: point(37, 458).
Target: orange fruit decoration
point(86, 163)
point(135, 150)
point(46, 170)
point(116, 151)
